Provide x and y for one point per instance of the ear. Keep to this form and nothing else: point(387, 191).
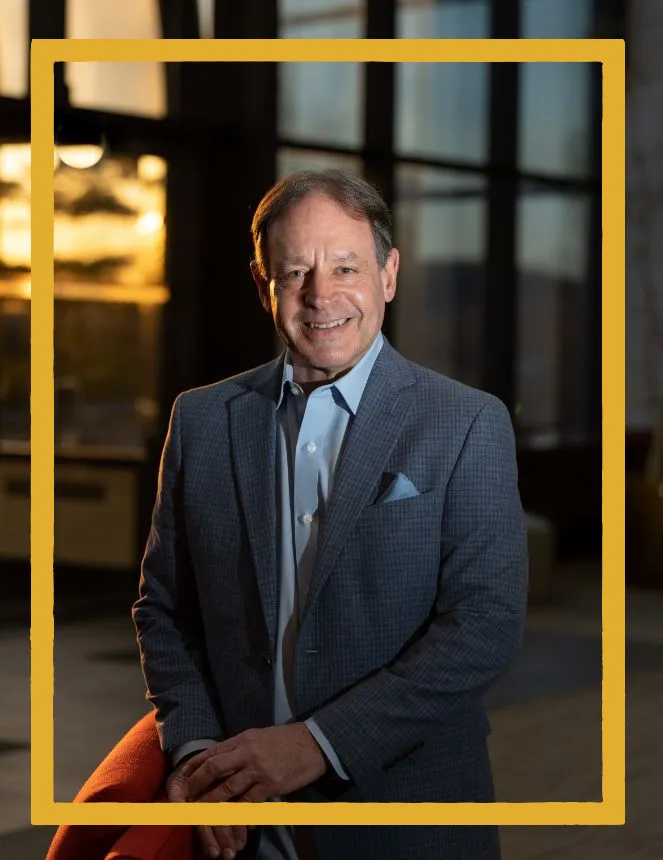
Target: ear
point(389, 274)
point(263, 287)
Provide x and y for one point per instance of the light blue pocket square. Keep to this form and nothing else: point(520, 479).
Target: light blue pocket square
point(400, 488)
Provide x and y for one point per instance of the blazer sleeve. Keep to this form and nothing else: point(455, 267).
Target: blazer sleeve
point(167, 615)
point(477, 628)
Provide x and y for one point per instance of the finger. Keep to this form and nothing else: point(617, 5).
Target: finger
point(208, 841)
point(226, 841)
point(212, 770)
point(195, 761)
point(233, 786)
point(240, 835)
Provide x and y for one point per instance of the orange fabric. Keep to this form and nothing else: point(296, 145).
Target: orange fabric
point(133, 772)
point(157, 842)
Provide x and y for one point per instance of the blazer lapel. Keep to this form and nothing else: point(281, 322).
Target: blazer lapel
point(373, 433)
point(253, 440)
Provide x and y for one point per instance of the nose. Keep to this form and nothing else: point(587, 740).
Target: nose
point(319, 290)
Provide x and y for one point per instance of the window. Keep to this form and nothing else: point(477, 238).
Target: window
point(206, 18)
point(321, 102)
point(552, 258)
point(555, 98)
point(133, 88)
point(441, 108)
point(438, 309)
point(14, 49)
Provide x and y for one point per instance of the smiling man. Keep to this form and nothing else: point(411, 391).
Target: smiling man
point(337, 568)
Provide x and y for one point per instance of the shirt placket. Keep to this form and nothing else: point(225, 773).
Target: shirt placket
point(307, 460)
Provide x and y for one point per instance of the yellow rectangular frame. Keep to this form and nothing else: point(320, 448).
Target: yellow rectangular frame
point(610, 53)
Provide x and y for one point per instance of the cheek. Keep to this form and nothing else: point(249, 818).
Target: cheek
point(286, 309)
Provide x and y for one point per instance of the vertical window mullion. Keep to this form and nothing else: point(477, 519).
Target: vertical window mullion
point(500, 303)
point(379, 98)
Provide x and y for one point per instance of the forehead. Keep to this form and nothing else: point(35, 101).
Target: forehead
point(318, 219)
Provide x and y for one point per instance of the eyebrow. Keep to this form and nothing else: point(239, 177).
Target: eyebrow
point(348, 256)
point(293, 261)
point(301, 260)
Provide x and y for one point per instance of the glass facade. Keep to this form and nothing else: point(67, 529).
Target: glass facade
point(442, 169)
point(438, 165)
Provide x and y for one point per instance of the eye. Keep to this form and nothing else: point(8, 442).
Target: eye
point(345, 270)
point(295, 273)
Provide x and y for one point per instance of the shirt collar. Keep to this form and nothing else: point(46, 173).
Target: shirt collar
point(350, 386)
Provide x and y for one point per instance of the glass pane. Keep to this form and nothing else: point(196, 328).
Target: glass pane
point(563, 19)
point(206, 18)
point(440, 233)
point(290, 160)
point(321, 102)
point(442, 108)
point(14, 48)
point(133, 88)
point(555, 107)
point(555, 118)
point(552, 255)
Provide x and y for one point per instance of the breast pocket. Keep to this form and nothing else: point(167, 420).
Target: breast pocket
point(409, 529)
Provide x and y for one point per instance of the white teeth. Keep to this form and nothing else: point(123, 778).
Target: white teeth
point(328, 325)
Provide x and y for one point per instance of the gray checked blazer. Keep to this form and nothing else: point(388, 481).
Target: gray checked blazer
point(416, 606)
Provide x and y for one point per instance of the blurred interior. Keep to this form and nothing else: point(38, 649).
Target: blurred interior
point(493, 173)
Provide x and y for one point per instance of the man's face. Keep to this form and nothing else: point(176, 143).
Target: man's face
point(323, 270)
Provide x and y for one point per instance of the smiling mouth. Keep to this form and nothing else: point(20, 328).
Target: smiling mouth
point(334, 324)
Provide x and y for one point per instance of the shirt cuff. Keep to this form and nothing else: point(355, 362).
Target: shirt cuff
point(326, 747)
point(190, 747)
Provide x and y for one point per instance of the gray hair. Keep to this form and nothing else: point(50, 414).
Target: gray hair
point(358, 197)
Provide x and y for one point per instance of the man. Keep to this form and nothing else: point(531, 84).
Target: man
point(337, 568)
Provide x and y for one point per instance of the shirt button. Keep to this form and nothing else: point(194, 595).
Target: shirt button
point(311, 448)
point(306, 519)
point(295, 389)
point(266, 659)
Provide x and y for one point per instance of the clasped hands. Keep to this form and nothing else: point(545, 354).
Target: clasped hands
point(252, 767)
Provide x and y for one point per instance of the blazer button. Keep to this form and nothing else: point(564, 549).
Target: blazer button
point(267, 660)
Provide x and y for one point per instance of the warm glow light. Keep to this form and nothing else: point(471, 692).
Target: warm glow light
point(15, 162)
point(149, 222)
point(151, 168)
point(80, 157)
point(152, 295)
point(16, 289)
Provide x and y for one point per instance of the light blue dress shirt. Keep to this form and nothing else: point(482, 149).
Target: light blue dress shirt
point(310, 436)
